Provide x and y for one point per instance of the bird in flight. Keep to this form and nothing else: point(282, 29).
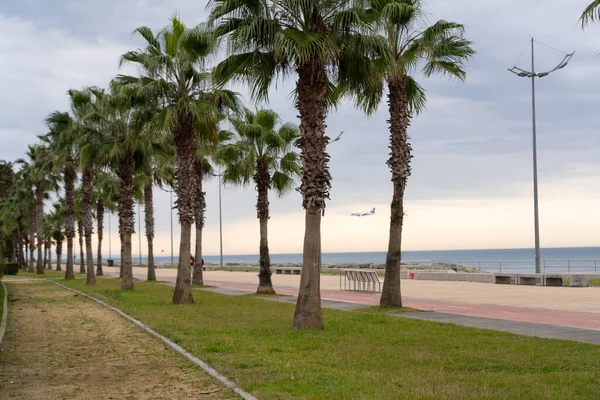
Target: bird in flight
point(367, 214)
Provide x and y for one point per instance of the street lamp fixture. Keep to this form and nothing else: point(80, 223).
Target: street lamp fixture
point(532, 74)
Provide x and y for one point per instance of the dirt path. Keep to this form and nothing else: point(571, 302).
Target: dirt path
point(61, 346)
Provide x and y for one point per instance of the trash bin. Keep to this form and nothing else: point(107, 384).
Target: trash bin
point(110, 262)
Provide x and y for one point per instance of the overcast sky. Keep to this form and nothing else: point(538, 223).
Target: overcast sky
point(471, 184)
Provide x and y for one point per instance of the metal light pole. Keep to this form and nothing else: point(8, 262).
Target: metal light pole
point(532, 74)
point(220, 218)
point(171, 198)
point(140, 234)
point(109, 238)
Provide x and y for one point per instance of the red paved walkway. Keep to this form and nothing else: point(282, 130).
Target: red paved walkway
point(523, 314)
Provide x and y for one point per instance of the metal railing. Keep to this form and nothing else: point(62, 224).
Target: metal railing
point(548, 265)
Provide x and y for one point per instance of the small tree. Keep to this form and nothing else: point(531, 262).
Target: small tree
point(263, 155)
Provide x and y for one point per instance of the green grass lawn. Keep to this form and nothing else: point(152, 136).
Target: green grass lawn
point(359, 355)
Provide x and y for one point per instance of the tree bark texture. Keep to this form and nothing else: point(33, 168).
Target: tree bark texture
point(46, 254)
point(59, 249)
point(199, 210)
point(399, 164)
point(80, 234)
point(39, 223)
point(48, 259)
point(127, 279)
point(185, 186)
point(126, 218)
point(32, 218)
point(88, 223)
point(262, 180)
point(100, 221)
point(69, 176)
point(312, 88)
point(149, 216)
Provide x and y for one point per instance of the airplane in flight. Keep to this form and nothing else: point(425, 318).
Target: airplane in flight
point(367, 214)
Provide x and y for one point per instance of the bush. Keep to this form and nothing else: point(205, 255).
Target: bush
point(11, 268)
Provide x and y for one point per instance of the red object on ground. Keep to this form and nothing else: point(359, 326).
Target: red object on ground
point(411, 275)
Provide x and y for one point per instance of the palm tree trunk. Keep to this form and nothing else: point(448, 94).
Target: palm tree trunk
point(200, 208)
point(45, 254)
point(399, 164)
point(149, 216)
point(126, 218)
point(49, 258)
point(100, 220)
point(40, 228)
point(59, 254)
point(312, 88)
point(262, 179)
point(80, 233)
point(32, 218)
point(122, 239)
point(69, 176)
point(88, 223)
point(185, 187)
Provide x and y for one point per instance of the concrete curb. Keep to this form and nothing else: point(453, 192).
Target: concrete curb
point(177, 348)
point(4, 313)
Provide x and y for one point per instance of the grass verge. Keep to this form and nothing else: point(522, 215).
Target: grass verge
point(359, 355)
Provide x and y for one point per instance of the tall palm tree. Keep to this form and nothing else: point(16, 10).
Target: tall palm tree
point(104, 190)
point(314, 40)
point(57, 221)
point(263, 155)
point(591, 14)
point(119, 119)
point(64, 131)
point(157, 170)
point(410, 43)
point(173, 74)
point(38, 169)
point(80, 234)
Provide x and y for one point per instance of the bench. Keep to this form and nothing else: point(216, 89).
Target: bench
point(529, 279)
point(553, 280)
point(360, 280)
point(288, 270)
point(504, 279)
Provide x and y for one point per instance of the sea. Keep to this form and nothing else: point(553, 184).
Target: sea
point(567, 259)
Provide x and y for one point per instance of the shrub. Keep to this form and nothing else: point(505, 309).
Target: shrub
point(11, 268)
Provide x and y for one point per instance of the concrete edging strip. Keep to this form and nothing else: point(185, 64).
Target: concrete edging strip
point(4, 312)
point(177, 348)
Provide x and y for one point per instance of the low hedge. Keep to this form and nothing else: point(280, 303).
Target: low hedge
point(11, 268)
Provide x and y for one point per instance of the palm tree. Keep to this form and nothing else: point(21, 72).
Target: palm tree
point(173, 75)
point(64, 130)
point(316, 40)
point(591, 14)
point(119, 118)
point(38, 169)
point(104, 191)
point(79, 220)
point(263, 155)
point(157, 170)
point(57, 221)
point(439, 49)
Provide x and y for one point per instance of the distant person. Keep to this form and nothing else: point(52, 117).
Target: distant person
point(192, 261)
point(202, 259)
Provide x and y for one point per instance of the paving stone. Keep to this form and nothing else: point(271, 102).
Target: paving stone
point(521, 328)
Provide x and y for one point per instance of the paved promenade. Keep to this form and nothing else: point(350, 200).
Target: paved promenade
point(559, 306)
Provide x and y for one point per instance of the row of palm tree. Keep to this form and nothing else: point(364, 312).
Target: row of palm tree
point(176, 106)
